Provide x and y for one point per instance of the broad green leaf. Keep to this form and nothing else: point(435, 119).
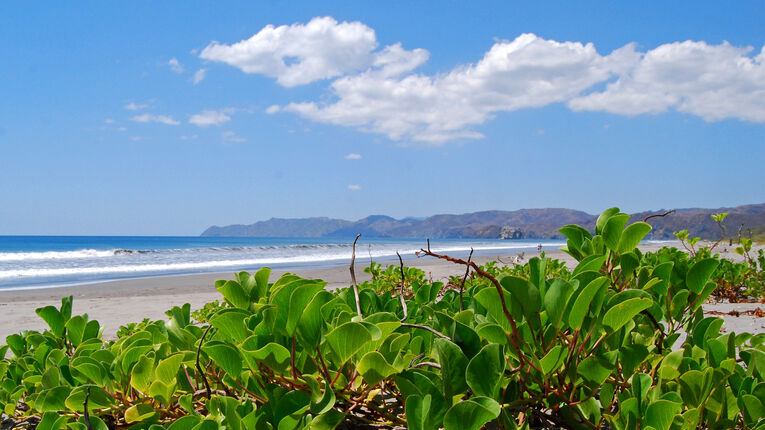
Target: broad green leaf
point(53, 318)
point(526, 296)
point(489, 299)
point(230, 323)
point(471, 414)
point(52, 421)
point(234, 294)
point(661, 413)
point(623, 312)
point(556, 299)
point(453, 365)
point(322, 402)
point(261, 278)
point(632, 235)
point(328, 420)
point(484, 371)
point(273, 355)
point(612, 231)
point(98, 399)
point(225, 356)
point(347, 339)
point(310, 324)
point(141, 412)
point(584, 300)
point(168, 368)
point(185, 423)
point(290, 409)
point(374, 368)
point(299, 299)
point(142, 373)
point(553, 359)
point(75, 328)
point(418, 413)
point(600, 224)
point(594, 370)
point(752, 408)
point(699, 274)
point(52, 400)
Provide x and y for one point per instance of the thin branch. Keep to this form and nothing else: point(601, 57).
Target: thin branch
point(427, 363)
point(353, 276)
point(424, 327)
point(86, 414)
point(401, 292)
point(658, 215)
point(199, 368)
point(411, 363)
point(464, 278)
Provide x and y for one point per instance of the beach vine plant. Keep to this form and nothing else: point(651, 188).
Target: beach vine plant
point(598, 347)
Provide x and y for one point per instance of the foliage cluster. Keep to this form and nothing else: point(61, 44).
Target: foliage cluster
point(598, 347)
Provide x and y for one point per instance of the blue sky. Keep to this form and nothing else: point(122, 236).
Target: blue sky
point(167, 117)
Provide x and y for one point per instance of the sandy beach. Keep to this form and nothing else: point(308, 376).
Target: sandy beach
point(116, 303)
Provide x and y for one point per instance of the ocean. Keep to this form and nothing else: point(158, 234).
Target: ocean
point(47, 261)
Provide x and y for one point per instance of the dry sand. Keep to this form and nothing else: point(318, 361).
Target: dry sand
point(116, 303)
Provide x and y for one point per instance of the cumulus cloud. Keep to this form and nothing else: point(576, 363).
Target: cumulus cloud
point(207, 118)
point(199, 75)
point(354, 187)
point(273, 109)
point(353, 156)
point(323, 48)
point(135, 106)
point(713, 82)
point(161, 119)
point(376, 90)
point(175, 66)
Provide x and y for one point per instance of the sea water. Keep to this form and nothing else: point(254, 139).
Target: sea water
point(45, 261)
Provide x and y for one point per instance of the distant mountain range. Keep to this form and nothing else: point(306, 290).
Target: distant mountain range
point(519, 224)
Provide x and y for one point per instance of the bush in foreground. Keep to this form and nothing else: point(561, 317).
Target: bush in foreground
point(525, 347)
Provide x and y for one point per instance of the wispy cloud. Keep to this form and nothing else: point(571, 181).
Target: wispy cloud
point(272, 109)
point(230, 136)
point(207, 118)
point(199, 76)
point(353, 156)
point(135, 106)
point(176, 66)
point(354, 187)
point(161, 119)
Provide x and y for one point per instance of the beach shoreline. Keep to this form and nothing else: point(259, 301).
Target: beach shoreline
point(118, 302)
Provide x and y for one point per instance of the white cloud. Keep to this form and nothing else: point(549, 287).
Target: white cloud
point(199, 76)
point(162, 119)
point(210, 117)
point(135, 106)
point(523, 73)
point(230, 136)
point(298, 54)
point(353, 156)
point(273, 109)
point(713, 82)
point(375, 90)
point(175, 66)
point(109, 121)
point(354, 187)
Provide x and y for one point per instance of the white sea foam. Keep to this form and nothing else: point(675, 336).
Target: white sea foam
point(57, 255)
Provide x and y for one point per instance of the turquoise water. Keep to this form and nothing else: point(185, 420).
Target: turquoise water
point(44, 261)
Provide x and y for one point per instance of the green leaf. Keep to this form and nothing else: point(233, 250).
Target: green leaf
point(484, 371)
point(661, 413)
point(526, 296)
point(600, 224)
point(418, 413)
point(98, 399)
point(471, 414)
point(374, 368)
point(53, 318)
point(273, 355)
point(612, 231)
point(234, 294)
point(230, 323)
point(225, 356)
point(594, 370)
point(556, 299)
point(489, 299)
point(52, 400)
point(453, 365)
point(623, 312)
point(752, 408)
point(632, 235)
point(168, 368)
point(299, 299)
point(699, 274)
point(261, 278)
point(347, 339)
point(553, 359)
point(142, 373)
point(141, 412)
point(52, 421)
point(310, 324)
point(324, 403)
point(76, 328)
point(185, 423)
point(328, 420)
point(584, 300)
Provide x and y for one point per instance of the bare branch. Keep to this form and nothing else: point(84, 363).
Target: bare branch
point(199, 368)
point(658, 215)
point(427, 363)
point(86, 414)
point(401, 292)
point(353, 276)
point(464, 278)
point(424, 327)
